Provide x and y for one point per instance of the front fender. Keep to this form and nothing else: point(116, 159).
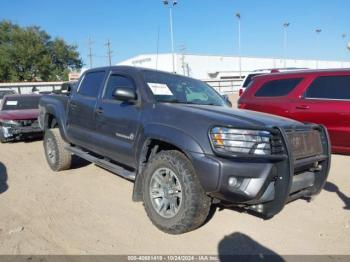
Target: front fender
point(168, 134)
point(173, 135)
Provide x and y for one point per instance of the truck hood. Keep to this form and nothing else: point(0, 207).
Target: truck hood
point(230, 116)
point(19, 114)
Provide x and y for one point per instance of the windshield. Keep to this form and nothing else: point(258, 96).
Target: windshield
point(21, 102)
point(178, 89)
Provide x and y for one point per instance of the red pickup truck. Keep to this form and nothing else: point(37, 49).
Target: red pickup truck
point(18, 117)
point(317, 96)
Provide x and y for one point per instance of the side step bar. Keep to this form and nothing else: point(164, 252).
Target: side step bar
point(114, 168)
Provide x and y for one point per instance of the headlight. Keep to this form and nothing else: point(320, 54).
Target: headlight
point(10, 122)
point(230, 140)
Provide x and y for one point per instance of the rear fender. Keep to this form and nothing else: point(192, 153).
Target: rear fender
point(59, 114)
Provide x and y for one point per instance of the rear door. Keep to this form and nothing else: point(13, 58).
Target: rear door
point(273, 96)
point(118, 122)
point(327, 101)
point(81, 109)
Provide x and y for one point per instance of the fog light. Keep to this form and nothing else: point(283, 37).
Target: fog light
point(233, 182)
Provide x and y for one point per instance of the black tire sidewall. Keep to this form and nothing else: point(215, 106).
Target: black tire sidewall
point(158, 219)
point(49, 135)
point(195, 204)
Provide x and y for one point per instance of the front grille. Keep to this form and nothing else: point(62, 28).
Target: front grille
point(277, 147)
point(33, 123)
point(305, 143)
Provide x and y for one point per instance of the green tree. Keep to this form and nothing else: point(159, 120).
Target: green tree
point(30, 54)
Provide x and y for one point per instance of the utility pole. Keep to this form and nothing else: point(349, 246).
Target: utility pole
point(285, 26)
point(90, 43)
point(109, 52)
point(318, 32)
point(171, 6)
point(238, 15)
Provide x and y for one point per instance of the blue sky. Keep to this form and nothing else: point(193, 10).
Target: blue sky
point(203, 26)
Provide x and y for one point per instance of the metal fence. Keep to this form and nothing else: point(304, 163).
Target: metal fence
point(29, 87)
point(224, 86)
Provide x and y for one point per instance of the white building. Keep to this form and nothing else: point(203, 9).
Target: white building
point(210, 67)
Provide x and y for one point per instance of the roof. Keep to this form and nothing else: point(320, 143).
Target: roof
point(132, 68)
point(306, 72)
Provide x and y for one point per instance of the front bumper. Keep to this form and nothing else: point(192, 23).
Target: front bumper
point(14, 132)
point(265, 184)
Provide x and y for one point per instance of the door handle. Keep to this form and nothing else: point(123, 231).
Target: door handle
point(303, 107)
point(99, 111)
point(73, 105)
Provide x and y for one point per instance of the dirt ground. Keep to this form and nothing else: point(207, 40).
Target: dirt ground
point(88, 210)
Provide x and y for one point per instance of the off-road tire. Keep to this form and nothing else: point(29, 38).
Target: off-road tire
point(63, 158)
point(195, 203)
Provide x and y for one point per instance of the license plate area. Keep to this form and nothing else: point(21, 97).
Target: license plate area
point(305, 143)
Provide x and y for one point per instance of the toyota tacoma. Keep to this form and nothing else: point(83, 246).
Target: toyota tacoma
point(183, 146)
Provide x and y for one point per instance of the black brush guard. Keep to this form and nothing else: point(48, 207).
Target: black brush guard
point(297, 177)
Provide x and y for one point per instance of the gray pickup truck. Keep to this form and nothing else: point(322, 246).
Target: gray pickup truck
point(183, 146)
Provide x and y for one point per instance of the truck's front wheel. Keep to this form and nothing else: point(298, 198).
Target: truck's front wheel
point(57, 156)
point(173, 198)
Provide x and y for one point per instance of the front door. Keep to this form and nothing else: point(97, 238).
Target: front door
point(117, 121)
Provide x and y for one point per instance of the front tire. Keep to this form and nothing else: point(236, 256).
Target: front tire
point(57, 156)
point(173, 198)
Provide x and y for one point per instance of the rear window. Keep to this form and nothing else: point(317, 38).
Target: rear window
point(281, 87)
point(91, 84)
point(330, 87)
point(21, 103)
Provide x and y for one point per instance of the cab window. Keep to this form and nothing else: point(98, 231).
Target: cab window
point(116, 81)
point(281, 87)
point(91, 84)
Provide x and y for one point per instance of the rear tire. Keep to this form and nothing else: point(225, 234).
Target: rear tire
point(57, 156)
point(173, 198)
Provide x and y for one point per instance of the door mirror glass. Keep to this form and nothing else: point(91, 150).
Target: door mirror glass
point(124, 94)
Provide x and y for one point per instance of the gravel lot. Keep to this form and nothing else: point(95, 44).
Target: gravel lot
point(88, 210)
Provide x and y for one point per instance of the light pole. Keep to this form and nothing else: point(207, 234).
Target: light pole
point(285, 39)
point(238, 15)
point(318, 32)
point(171, 6)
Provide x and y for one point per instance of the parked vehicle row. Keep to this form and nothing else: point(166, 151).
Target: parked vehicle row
point(183, 146)
point(316, 96)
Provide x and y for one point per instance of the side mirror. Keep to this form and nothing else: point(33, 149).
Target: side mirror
point(124, 94)
point(227, 100)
